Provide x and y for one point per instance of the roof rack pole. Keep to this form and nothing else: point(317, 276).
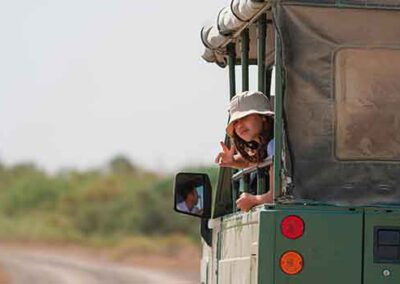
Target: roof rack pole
point(261, 46)
point(268, 69)
point(245, 183)
point(235, 190)
point(261, 181)
point(278, 116)
point(245, 60)
point(268, 77)
point(232, 91)
point(231, 64)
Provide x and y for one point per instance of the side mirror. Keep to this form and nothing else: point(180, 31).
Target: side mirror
point(192, 194)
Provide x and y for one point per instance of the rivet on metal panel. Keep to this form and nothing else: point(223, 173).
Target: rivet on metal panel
point(386, 272)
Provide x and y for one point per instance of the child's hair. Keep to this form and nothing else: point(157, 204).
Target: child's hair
point(253, 151)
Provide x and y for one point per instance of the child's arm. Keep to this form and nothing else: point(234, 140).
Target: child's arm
point(247, 200)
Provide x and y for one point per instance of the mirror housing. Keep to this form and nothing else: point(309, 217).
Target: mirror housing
point(192, 194)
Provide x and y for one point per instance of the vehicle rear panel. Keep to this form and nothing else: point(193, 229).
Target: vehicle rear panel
point(331, 246)
point(382, 246)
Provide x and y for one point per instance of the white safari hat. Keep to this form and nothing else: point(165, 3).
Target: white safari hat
point(246, 103)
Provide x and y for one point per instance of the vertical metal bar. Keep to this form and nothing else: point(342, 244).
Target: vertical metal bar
point(261, 181)
point(268, 78)
point(261, 45)
point(245, 60)
point(261, 48)
point(231, 64)
point(278, 127)
point(268, 72)
point(232, 91)
point(235, 189)
point(245, 183)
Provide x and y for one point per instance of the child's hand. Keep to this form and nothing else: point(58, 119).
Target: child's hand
point(226, 157)
point(246, 201)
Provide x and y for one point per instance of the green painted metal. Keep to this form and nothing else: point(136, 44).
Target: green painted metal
point(331, 245)
point(268, 80)
point(261, 50)
point(219, 247)
point(278, 127)
point(245, 59)
point(261, 181)
point(266, 246)
point(375, 272)
point(261, 46)
point(222, 195)
point(245, 183)
point(232, 92)
point(235, 191)
point(231, 65)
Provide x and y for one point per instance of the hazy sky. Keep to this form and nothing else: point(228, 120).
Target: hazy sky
point(81, 81)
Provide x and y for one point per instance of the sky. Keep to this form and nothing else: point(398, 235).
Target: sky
point(84, 80)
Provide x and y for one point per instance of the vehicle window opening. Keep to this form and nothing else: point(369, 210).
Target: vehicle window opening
point(252, 180)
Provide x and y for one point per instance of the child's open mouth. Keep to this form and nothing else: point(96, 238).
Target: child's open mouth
point(243, 131)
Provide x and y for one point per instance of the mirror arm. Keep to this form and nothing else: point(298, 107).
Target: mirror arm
point(205, 231)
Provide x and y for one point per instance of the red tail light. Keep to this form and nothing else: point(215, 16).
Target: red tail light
point(292, 227)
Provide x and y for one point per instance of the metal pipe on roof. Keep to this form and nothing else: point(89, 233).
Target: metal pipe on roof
point(231, 65)
point(261, 181)
point(245, 59)
point(278, 122)
point(261, 46)
point(245, 183)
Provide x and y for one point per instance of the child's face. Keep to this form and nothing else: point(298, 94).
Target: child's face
point(249, 127)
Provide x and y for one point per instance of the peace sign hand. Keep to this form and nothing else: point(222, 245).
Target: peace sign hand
point(226, 157)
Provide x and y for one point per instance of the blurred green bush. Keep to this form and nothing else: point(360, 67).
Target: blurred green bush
point(113, 203)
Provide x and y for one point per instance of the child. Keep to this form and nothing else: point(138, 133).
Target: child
point(251, 130)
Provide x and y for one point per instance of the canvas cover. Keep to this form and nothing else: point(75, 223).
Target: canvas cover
point(342, 98)
point(380, 4)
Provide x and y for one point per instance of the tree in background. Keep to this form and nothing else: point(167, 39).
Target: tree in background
point(71, 205)
point(120, 164)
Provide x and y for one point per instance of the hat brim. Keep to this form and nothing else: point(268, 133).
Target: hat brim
point(238, 115)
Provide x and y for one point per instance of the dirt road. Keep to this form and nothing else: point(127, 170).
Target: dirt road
point(40, 267)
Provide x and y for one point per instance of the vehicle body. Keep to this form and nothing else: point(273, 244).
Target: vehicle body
point(337, 144)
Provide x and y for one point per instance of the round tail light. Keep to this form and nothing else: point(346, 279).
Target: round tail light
point(292, 227)
point(291, 262)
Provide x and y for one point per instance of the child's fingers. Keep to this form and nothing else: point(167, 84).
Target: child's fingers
point(218, 158)
point(241, 203)
point(224, 165)
point(224, 147)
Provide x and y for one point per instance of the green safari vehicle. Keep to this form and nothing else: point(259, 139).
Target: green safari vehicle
point(332, 68)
